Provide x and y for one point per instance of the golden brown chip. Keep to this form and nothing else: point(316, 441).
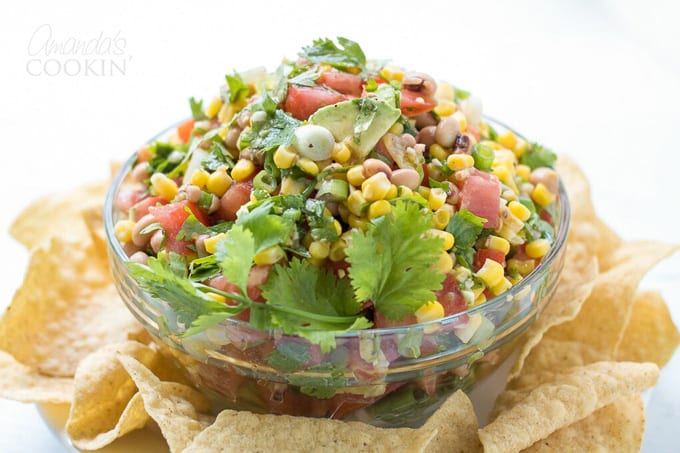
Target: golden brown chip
point(618, 427)
point(21, 383)
point(66, 308)
point(58, 215)
point(578, 189)
point(575, 285)
point(174, 407)
point(567, 399)
point(605, 313)
point(456, 425)
point(94, 221)
point(651, 335)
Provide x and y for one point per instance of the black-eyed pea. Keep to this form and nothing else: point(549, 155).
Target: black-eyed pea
point(405, 177)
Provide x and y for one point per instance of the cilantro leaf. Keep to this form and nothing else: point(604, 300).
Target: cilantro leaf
point(367, 111)
point(348, 55)
point(320, 387)
point(166, 157)
point(391, 263)
point(218, 156)
point(289, 356)
point(277, 130)
point(266, 229)
point(466, 228)
point(197, 109)
point(237, 89)
point(538, 156)
point(235, 256)
point(537, 228)
point(305, 79)
point(321, 226)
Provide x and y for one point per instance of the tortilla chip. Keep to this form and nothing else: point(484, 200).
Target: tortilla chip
point(605, 313)
point(57, 215)
point(617, 427)
point(21, 383)
point(569, 398)
point(94, 221)
point(66, 308)
point(456, 425)
point(651, 335)
point(174, 407)
point(575, 285)
point(578, 189)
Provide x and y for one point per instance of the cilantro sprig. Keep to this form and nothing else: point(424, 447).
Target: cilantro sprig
point(344, 55)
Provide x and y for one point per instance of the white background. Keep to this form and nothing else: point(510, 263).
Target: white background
point(598, 80)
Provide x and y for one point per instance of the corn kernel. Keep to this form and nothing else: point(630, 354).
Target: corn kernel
point(523, 171)
point(376, 187)
point(480, 299)
point(520, 148)
point(444, 264)
point(436, 198)
point(359, 223)
point(457, 162)
point(404, 191)
point(292, 186)
point(397, 128)
point(338, 227)
point(508, 139)
point(522, 267)
point(210, 243)
point(491, 273)
point(430, 311)
point(217, 297)
point(270, 255)
point(319, 249)
point(200, 178)
point(341, 153)
point(497, 243)
point(515, 279)
point(123, 230)
point(219, 181)
point(446, 237)
point(164, 187)
point(541, 195)
point(379, 208)
point(445, 92)
point(337, 251)
point(442, 216)
point(242, 170)
point(392, 72)
point(318, 262)
point(284, 157)
point(537, 248)
point(392, 193)
point(355, 175)
point(226, 113)
point(502, 173)
point(501, 287)
point(356, 203)
point(438, 152)
point(424, 192)
point(308, 166)
point(460, 116)
point(445, 108)
point(214, 108)
point(519, 210)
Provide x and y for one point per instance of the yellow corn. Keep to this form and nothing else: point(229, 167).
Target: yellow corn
point(242, 170)
point(457, 162)
point(359, 223)
point(318, 262)
point(523, 171)
point(519, 210)
point(337, 251)
point(445, 263)
point(392, 193)
point(522, 267)
point(480, 299)
point(438, 152)
point(430, 311)
point(338, 227)
point(219, 181)
point(214, 108)
point(164, 187)
point(509, 195)
point(123, 230)
point(217, 297)
point(396, 128)
point(491, 273)
point(376, 187)
point(270, 255)
point(292, 186)
point(508, 139)
point(379, 208)
point(441, 217)
point(541, 195)
point(307, 240)
point(424, 192)
point(284, 157)
point(520, 148)
point(341, 153)
point(445, 108)
point(210, 243)
point(515, 279)
point(308, 166)
point(497, 243)
point(319, 249)
point(226, 113)
point(355, 175)
point(460, 116)
point(537, 248)
point(404, 191)
point(356, 202)
point(445, 92)
point(501, 287)
point(392, 72)
point(200, 178)
point(447, 237)
point(436, 198)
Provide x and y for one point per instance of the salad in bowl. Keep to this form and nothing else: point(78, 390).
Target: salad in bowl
point(319, 239)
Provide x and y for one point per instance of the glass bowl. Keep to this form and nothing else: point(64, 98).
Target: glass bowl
point(387, 377)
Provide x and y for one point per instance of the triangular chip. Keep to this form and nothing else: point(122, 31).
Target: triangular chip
point(456, 425)
point(21, 383)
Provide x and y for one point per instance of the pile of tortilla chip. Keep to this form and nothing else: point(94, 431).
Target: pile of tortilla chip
point(576, 383)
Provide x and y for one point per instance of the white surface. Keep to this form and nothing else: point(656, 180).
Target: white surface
point(597, 80)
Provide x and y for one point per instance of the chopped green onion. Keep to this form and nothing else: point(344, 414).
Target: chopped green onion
point(483, 156)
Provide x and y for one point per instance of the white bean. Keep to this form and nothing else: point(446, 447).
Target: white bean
point(314, 142)
point(406, 177)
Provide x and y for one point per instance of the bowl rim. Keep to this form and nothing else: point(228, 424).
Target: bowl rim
point(558, 245)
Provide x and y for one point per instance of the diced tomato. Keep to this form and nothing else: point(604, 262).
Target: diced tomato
point(412, 104)
point(172, 217)
point(126, 199)
point(480, 195)
point(236, 196)
point(483, 254)
point(301, 102)
point(475, 133)
point(545, 215)
point(450, 296)
point(141, 208)
point(184, 130)
point(341, 82)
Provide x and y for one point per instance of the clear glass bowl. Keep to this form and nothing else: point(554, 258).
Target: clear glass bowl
point(387, 377)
